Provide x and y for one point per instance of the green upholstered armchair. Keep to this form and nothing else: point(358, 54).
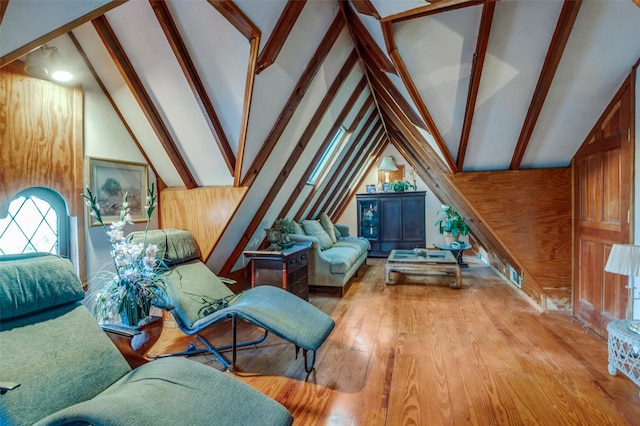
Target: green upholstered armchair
point(58, 367)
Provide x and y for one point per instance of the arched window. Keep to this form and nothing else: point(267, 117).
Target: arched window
point(37, 221)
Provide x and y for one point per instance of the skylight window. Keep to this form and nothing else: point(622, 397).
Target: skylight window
point(324, 161)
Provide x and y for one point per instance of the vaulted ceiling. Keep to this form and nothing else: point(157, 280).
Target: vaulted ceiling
point(249, 93)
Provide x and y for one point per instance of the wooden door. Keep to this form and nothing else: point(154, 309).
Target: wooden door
point(603, 189)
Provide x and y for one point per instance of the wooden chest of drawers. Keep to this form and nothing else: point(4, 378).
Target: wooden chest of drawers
point(287, 269)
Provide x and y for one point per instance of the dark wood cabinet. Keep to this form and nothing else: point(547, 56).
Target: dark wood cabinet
point(392, 220)
point(287, 269)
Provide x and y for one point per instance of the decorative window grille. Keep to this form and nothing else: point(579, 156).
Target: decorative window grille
point(37, 222)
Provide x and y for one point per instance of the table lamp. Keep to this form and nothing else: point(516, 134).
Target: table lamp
point(387, 165)
point(624, 259)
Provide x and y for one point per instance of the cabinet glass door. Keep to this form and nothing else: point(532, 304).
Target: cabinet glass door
point(369, 219)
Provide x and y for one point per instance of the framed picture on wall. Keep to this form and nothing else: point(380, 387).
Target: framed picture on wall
point(109, 180)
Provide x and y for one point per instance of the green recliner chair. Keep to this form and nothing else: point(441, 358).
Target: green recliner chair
point(58, 367)
point(199, 299)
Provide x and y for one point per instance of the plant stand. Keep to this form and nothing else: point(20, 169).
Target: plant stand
point(624, 350)
point(135, 342)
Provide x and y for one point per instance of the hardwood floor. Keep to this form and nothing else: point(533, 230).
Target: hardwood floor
point(421, 353)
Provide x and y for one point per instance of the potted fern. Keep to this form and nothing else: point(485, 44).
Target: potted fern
point(451, 224)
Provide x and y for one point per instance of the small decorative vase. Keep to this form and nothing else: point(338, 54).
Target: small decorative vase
point(133, 313)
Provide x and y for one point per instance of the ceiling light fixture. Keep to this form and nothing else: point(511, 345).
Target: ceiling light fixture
point(46, 62)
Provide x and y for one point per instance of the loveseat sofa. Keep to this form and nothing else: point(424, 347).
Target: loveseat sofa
point(58, 367)
point(334, 257)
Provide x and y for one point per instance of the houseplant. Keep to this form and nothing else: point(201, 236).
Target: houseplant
point(137, 281)
point(451, 224)
point(285, 226)
point(400, 186)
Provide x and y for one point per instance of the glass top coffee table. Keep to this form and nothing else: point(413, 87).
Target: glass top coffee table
point(422, 262)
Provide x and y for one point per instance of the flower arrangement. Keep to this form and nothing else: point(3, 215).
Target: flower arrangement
point(450, 221)
point(138, 273)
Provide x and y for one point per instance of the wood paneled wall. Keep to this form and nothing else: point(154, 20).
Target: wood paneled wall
point(41, 143)
point(205, 212)
point(530, 212)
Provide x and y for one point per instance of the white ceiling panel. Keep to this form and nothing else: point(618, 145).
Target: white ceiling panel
point(263, 14)
point(519, 41)
point(274, 85)
point(20, 25)
point(220, 63)
point(438, 51)
point(604, 45)
point(128, 106)
point(391, 7)
point(157, 68)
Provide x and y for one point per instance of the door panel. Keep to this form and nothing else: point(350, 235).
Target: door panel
point(602, 175)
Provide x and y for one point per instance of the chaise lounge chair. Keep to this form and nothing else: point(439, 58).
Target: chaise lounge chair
point(58, 367)
point(199, 299)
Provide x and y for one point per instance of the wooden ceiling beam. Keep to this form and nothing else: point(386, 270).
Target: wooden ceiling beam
point(359, 48)
point(325, 144)
point(387, 100)
point(362, 37)
point(113, 104)
point(474, 81)
point(364, 165)
point(258, 217)
point(12, 56)
point(294, 99)
point(441, 183)
point(279, 35)
point(193, 79)
point(366, 8)
point(119, 57)
point(415, 95)
point(561, 35)
point(3, 9)
point(346, 109)
point(432, 9)
point(232, 13)
point(383, 81)
point(347, 167)
point(357, 173)
point(314, 123)
point(236, 17)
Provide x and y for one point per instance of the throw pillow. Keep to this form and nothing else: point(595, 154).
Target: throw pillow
point(315, 229)
point(297, 229)
point(326, 223)
point(337, 232)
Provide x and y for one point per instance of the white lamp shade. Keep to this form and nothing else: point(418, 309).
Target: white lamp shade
point(387, 165)
point(624, 259)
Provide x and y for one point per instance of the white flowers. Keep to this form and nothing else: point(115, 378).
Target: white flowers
point(137, 280)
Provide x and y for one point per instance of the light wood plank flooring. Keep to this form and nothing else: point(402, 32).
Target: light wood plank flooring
point(421, 353)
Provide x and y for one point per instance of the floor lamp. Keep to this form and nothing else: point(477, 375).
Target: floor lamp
point(624, 259)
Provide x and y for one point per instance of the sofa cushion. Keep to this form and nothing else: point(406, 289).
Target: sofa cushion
point(35, 282)
point(337, 232)
point(327, 225)
point(315, 229)
point(341, 258)
point(297, 229)
point(360, 244)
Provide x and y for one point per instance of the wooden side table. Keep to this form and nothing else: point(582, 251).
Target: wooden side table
point(624, 350)
point(287, 269)
point(135, 343)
